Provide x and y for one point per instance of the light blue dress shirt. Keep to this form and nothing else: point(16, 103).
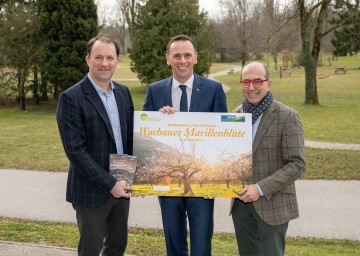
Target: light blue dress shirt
point(110, 105)
point(255, 126)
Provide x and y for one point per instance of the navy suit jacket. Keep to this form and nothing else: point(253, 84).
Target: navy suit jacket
point(88, 139)
point(207, 95)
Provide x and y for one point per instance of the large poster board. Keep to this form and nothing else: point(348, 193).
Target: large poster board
point(192, 154)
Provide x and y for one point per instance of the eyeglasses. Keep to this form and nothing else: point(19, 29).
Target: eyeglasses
point(257, 83)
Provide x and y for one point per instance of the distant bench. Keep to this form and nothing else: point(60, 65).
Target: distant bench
point(340, 69)
point(231, 71)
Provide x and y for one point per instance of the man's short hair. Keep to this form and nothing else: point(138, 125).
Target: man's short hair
point(105, 38)
point(179, 38)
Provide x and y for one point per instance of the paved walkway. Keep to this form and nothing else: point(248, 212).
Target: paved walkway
point(221, 73)
point(328, 208)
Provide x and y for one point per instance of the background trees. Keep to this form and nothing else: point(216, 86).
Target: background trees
point(313, 20)
point(152, 27)
point(347, 39)
point(67, 25)
point(42, 43)
point(20, 43)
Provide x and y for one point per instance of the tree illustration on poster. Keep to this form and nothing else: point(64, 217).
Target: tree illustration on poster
point(182, 168)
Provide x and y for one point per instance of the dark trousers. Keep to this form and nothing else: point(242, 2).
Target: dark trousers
point(103, 229)
point(200, 212)
point(254, 236)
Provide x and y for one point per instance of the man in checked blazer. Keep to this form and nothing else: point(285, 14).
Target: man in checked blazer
point(203, 95)
point(95, 119)
point(262, 214)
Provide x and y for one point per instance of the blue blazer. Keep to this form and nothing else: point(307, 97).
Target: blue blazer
point(207, 95)
point(88, 139)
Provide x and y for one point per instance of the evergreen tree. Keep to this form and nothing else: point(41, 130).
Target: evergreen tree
point(67, 25)
point(155, 24)
point(347, 40)
point(20, 41)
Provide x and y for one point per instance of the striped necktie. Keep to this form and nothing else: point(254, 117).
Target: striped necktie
point(183, 99)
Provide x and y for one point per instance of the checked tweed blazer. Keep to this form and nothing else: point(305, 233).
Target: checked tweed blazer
point(278, 160)
point(88, 140)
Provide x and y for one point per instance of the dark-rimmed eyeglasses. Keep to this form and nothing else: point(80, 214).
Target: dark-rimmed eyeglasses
point(257, 83)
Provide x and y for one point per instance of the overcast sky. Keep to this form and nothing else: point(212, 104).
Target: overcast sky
point(211, 6)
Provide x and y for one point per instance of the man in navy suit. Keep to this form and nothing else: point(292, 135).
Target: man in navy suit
point(202, 95)
point(95, 119)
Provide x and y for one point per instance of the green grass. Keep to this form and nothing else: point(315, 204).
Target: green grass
point(335, 120)
point(123, 70)
point(150, 242)
point(216, 67)
point(332, 164)
point(30, 140)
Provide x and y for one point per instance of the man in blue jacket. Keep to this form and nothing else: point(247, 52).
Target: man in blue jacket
point(185, 91)
point(95, 119)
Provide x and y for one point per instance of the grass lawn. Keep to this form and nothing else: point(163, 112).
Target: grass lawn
point(30, 140)
point(335, 120)
point(150, 242)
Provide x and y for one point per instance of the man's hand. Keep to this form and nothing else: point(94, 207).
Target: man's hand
point(250, 194)
point(119, 190)
point(167, 110)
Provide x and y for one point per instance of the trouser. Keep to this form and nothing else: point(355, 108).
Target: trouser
point(254, 236)
point(200, 213)
point(103, 229)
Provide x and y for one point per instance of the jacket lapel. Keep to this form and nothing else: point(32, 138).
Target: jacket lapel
point(166, 92)
point(266, 120)
point(197, 93)
point(122, 115)
point(95, 100)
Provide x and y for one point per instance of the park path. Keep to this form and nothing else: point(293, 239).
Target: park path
point(224, 72)
point(327, 207)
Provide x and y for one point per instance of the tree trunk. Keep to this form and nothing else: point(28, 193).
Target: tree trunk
point(187, 189)
point(22, 77)
point(243, 63)
point(275, 58)
point(44, 95)
point(36, 85)
point(311, 97)
point(312, 55)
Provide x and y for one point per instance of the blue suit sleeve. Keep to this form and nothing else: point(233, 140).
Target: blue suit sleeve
point(220, 100)
point(148, 104)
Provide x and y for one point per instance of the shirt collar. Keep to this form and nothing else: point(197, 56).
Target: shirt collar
point(188, 83)
point(97, 88)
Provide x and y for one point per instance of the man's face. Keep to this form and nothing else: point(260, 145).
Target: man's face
point(182, 58)
point(252, 94)
point(102, 62)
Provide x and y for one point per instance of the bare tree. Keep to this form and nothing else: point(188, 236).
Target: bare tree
point(164, 167)
point(313, 16)
point(241, 38)
point(235, 169)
